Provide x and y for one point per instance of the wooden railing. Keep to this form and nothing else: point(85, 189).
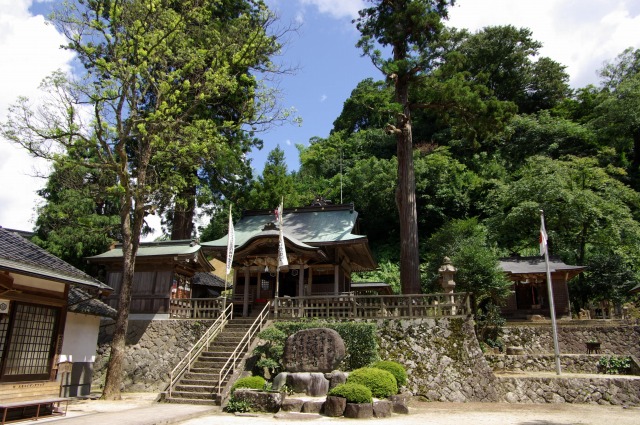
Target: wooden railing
point(349, 306)
point(214, 330)
point(242, 347)
point(196, 308)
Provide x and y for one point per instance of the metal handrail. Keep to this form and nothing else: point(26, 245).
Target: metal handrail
point(230, 365)
point(214, 330)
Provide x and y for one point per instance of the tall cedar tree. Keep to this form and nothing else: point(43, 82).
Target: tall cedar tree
point(412, 29)
point(150, 68)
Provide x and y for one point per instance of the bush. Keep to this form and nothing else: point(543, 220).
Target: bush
point(354, 393)
point(615, 365)
point(396, 369)
point(234, 405)
point(251, 382)
point(381, 383)
point(359, 338)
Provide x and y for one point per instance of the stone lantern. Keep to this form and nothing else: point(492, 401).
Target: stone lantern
point(447, 271)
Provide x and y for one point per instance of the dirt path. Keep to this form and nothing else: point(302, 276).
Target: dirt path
point(468, 414)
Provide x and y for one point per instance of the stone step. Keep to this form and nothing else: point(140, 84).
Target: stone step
point(194, 395)
point(184, 387)
point(199, 382)
point(207, 377)
point(182, 400)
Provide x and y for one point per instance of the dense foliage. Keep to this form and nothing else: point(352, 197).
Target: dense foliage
point(381, 382)
point(359, 338)
point(250, 382)
point(396, 369)
point(354, 393)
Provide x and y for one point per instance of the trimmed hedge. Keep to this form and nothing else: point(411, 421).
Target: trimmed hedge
point(381, 383)
point(359, 338)
point(354, 393)
point(251, 382)
point(396, 369)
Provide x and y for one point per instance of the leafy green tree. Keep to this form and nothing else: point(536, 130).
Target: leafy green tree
point(368, 107)
point(273, 185)
point(467, 244)
point(410, 28)
point(617, 116)
point(150, 69)
point(79, 217)
point(544, 134)
point(586, 207)
point(502, 58)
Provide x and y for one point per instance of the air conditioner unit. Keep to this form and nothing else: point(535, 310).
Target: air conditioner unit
point(4, 306)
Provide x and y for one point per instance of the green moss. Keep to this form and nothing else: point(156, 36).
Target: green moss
point(251, 382)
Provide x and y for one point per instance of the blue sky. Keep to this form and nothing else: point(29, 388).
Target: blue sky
point(580, 34)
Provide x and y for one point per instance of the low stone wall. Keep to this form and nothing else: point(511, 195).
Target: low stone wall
point(154, 347)
point(613, 391)
point(570, 363)
point(443, 359)
point(615, 338)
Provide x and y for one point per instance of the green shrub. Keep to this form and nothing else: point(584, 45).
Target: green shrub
point(359, 338)
point(354, 393)
point(381, 383)
point(396, 369)
point(251, 382)
point(614, 365)
point(234, 405)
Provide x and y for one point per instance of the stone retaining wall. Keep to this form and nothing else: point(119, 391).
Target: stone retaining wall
point(570, 363)
point(615, 338)
point(153, 347)
point(443, 359)
point(609, 390)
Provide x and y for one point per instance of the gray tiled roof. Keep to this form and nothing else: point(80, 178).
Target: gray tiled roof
point(82, 302)
point(208, 279)
point(21, 256)
point(530, 265)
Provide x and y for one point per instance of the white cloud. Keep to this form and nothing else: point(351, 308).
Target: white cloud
point(30, 51)
point(323, 98)
point(288, 142)
point(581, 34)
point(337, 8)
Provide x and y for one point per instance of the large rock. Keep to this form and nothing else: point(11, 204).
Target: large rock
point(313, 384)
point(382, 408)
point(261, 401)
point(400, 403)
point(312, 406)
point(279, 381)
point(336, 378)
point(313, 350)
point(334, 406)
point(359, 410)
point(292, 405)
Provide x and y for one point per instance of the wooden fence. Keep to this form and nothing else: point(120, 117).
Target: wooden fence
point(348, 306)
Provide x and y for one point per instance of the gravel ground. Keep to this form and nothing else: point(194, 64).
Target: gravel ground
point(464, 414)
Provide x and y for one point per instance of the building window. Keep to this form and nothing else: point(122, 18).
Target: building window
point(264, 284)
point(28, 342)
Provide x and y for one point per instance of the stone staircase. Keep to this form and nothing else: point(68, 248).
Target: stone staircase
point(199, 385)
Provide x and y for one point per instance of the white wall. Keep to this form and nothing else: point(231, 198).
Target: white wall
point(81, 337)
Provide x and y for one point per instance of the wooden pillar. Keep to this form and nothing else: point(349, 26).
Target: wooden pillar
point(301, 291)
point(247, 281)
point(258, 283)
point(310, 281)
point(336, 279)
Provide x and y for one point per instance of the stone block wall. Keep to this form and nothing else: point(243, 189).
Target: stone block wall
point(618, 339)
point(606, 390)
point(154, 347)
point(570, 363)
point(443, 359)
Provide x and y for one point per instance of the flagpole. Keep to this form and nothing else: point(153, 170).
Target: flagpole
point(552, 307)
point(231, 242)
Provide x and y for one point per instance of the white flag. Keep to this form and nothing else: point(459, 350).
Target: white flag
point(543, 237)
point(282, 253)
point(231, 243)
